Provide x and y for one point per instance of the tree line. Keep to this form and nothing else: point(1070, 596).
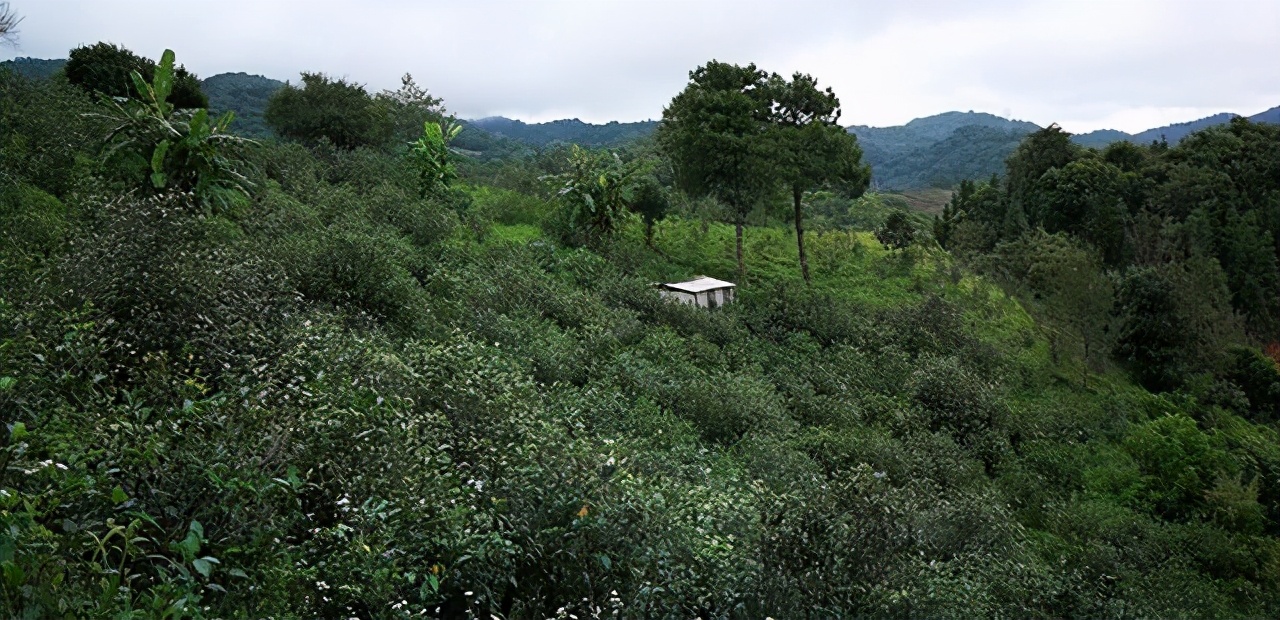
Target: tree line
point(1163, 255)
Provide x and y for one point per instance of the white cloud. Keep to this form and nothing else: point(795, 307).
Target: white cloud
point(1086, 64)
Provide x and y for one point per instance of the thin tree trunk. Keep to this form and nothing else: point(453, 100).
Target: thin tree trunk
point(742, 268)
point(797, 193)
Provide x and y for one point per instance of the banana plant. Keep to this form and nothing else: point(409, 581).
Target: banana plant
point(186, 150)
point(597, 188)
point(431, 155)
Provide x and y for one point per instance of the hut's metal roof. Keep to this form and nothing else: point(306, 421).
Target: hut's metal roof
point(699, 285)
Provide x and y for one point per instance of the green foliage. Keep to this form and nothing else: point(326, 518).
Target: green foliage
point(46, 131)
point(1174, 321)
point(811, 148)
point(33, 225)
point(430, 155)
point(940, 150)
point(105, 69)
point(180, 151)
point(1063, 282)
point(1084, 198)
point(595, 192)
point(1259, 378)
point(716, 134)
point(411, 107)
point(246, 95)
point(335, 110)
point(336, 402)
point(897, 232)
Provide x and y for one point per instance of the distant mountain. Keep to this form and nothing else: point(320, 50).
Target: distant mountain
point(244, 94)
point(1170, 133)
point(1100, 138)
point(36, 68)
point(939, 150)
point(970, 152)
point(566, 131)
point(1269, 116)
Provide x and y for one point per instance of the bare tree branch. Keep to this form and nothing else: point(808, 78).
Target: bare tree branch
point(8, 23)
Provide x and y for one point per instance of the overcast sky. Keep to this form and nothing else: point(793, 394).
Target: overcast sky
point(1122, 64)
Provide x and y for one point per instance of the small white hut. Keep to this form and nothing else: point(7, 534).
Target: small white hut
point(702, 292)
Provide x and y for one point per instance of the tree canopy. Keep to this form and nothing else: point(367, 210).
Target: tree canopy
point(810, 147)
point(104, 68)
point(716, 132)
point(332, 109)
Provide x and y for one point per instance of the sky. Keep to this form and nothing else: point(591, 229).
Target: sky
point(1084, 64)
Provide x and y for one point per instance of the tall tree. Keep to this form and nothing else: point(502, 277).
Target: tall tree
point(716, 132)
point(1039, 153)
point(105, 68)
point(810, 147)
point(411, 106)
point(1085, 198)
point(340, 111)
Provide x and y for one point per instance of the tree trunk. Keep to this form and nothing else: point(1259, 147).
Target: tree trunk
point(797, 193)
point(742, 268)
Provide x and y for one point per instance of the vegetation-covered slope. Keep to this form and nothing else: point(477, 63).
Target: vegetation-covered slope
point(35, 68)
point(340, 395)
point(566, 131)
point(244, 94)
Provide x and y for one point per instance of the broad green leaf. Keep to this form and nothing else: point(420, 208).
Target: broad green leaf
point(204, 565)
point(118, 496)
point(163, 82)
point(7, 383)
point(19, 429)
point(143, 88)
point(158, 155)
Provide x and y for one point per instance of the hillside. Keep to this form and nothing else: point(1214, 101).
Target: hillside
point(939, 150)
point(932, 152)
point(244, 94)
point(37, 68)
point(1170, 133)
point(567, 131)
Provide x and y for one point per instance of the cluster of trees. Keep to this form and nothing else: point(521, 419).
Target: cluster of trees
point(106, 69)
point(1169, 252)
point(348, 116)
point(740, 135)
point(292, 379)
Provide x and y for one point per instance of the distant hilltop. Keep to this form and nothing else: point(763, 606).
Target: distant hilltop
point(567, 130)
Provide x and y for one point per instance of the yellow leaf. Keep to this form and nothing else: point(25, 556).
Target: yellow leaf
point(583, 512)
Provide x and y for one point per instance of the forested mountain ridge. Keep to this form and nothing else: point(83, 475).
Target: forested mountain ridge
point(38, 68)
point(939, 150)
point(244, 94)
point(1170, 133)
point(567, 131)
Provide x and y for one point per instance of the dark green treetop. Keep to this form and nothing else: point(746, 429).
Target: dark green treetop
point(716, 132)
point(104, 68)
point(331, 108)
point(810, 148)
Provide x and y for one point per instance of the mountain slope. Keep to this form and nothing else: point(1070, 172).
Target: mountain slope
point(36, 68)
point(569, 130)
point(939, 150)
point(244, 94)
point(1170, 133)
